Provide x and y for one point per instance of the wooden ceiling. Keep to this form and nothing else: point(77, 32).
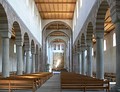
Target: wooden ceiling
point(56, 9)
point(108, 25)
point(57, 34)
point(58, 41)
point(57, 26)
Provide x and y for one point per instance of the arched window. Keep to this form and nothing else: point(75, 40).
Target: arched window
point(27, 2)
point(33, 9)
point(58, 46)
point(62, 46)
point(14, 48)
point(77, 9)
point(105, 45)
point(114, 39)
point(54, 47)
point(80, 3)
point(92, 52)
point(85, 53)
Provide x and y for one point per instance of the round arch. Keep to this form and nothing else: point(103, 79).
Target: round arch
point(17, 32)
point(3, 19)
point(104, 6)
point(89, 31)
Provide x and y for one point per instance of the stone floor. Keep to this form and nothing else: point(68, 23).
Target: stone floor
point(52, 85)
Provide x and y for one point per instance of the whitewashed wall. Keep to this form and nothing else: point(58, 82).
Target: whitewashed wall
point(29, 14)
point(83, 7)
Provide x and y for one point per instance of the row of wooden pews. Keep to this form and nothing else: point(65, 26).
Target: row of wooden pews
point(73, 81)
point(109, 76)
point(24, 82)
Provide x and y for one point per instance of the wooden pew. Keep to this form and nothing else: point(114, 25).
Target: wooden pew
point(23, 82)
point(110, 76)
point(81, 82)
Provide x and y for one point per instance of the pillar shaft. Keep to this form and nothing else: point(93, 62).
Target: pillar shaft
point(99, 58)
point(89, 60)
point(19, 60)
point(33, 63)
point(80, 64)
point(78, 55)
point(118, 54)
point(28, 61)
point(83, 63)
point(76, 62)
point(5, 57)
point(36, 62)
point(24, 62)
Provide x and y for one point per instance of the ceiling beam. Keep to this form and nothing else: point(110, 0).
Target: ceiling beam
point(56, 11)
point(55, 2)
point(58, 18)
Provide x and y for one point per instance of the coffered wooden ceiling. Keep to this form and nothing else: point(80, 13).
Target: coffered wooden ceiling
point(56, 9)
point(108, 25)
point(57, 26)
point(57, 34)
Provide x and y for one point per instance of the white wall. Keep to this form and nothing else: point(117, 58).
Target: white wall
point(29, 14)
point(84, 8)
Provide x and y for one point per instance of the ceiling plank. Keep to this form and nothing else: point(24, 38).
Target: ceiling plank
point(55, 2)
point(56, 11)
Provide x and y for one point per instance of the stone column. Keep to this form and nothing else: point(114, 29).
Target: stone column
point(33, 62)
point(83, 63)
point(99, 55)
point(89, 59)
point(73, 62)
point(77, 62)
point(5, 57)
point(28, 61)
point(40, 61)
point(19, 59)
point(78, 55)
point(80, 63)
point(36, 62)
point(24, 61)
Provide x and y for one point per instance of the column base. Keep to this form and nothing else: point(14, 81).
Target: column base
point(115, 89)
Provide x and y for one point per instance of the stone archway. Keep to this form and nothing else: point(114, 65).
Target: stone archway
point(47, 31)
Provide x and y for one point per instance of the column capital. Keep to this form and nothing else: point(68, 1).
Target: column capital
point(27, 48)
point(78, 50)
point(83, 48)
point(5, 34)
point(99, 34)
point(33, 52)
point(89, 43)
point(19, 43)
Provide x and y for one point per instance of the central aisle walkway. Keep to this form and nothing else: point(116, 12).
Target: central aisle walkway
point(52, 85)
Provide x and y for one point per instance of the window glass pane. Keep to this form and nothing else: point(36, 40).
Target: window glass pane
point(104, 45)
point(14, 48)
point(58, 46)
point(114, 39)
point(54, 46)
